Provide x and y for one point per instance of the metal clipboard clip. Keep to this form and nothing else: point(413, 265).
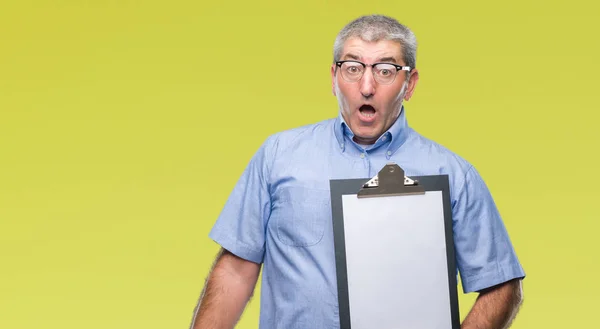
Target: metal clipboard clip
point(390, 181)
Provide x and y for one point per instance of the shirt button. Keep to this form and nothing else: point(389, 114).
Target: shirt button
point(383, 138)
point(362, 155)
point(389, 152)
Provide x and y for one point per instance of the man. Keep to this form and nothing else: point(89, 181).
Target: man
point(279, 217)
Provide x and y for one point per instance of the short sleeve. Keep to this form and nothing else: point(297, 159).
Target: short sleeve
point(484, 253)
point(240, 227)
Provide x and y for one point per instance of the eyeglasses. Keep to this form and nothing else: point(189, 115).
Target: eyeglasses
point(384, 73)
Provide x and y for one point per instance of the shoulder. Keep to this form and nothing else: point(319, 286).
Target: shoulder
point(300, 133)
point(289, 139)
point(435, 158)
point(433, 153)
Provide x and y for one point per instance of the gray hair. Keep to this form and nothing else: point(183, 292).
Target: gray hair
point(378, 27)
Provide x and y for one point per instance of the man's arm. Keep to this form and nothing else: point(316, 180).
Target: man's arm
point(228, 289)
point(496, 307)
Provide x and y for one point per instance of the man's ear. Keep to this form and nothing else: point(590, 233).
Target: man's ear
point(412, 84)
point(333, 79)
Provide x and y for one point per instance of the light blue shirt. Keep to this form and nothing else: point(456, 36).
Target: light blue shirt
point(279, 214)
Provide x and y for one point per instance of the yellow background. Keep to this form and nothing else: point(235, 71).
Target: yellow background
point(124, 125)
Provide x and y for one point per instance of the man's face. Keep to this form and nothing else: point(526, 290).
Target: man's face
point(369, 107)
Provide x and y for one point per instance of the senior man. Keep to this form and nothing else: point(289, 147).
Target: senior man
point(278, 215)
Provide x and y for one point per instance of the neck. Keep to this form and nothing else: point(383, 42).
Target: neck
point(364, 141)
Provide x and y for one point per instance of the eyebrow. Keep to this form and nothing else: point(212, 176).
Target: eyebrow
point(351, 56)
point(387, 59)
point(382, 59)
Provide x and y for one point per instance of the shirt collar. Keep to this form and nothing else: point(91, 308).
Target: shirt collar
point(396, 135)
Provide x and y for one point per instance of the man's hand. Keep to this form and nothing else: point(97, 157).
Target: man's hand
point(496, 307)
point(228, 289)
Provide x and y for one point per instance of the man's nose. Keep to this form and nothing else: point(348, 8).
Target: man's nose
point(367, 84)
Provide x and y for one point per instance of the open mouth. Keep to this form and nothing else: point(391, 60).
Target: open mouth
point(367, 113)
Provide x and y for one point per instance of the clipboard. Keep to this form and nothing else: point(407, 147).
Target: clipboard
point(394, 251)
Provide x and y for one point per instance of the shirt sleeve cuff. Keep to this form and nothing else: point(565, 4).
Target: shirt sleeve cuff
point(503, 273)
point(236, 247)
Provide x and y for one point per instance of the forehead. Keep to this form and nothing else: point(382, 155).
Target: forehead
point(356, 48)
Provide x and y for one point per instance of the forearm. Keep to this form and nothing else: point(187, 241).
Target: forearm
point(224, 299)
point(495, 309)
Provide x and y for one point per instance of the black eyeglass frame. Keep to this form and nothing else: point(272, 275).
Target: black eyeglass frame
point(399, 68)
